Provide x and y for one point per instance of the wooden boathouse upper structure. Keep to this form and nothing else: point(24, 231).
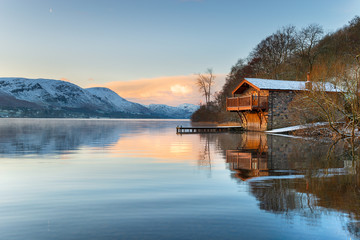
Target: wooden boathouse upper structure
point(253, 93)
point(262, 104)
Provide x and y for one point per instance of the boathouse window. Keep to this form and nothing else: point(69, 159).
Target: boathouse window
point(254, 95)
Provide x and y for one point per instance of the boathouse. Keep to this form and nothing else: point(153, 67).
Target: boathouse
point(263, 104)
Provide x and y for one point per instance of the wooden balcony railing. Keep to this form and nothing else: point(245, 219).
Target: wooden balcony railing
point(247, 103)
point(246, 161)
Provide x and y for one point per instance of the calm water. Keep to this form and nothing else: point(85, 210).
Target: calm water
point(132, 179)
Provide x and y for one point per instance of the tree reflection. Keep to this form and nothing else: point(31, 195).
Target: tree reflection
point(204, 159)
point(303, 178)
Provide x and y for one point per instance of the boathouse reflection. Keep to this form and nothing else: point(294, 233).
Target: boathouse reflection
point(303, 178)
point(250, 159)
point(258, 154)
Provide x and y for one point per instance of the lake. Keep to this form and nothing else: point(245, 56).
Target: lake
point(138, 179)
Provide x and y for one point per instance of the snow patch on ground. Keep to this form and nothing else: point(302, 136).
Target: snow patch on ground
point(298, 127)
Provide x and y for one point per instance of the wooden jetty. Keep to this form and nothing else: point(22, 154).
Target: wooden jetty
point(187, 130)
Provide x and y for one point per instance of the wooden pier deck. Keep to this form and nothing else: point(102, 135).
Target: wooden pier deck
point(188, 130)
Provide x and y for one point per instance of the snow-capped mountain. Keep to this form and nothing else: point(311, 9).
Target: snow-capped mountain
point(181, 111)
point(116, 102)
point(189, 107)
point(6, 100)
point(48, 95)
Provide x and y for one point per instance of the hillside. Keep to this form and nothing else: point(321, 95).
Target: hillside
point(290, 54)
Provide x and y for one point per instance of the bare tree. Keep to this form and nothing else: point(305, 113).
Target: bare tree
point(274, 53)
point(341, 109)
point(307, 40)
point(205, 81)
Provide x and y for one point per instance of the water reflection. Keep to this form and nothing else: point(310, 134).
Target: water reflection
point(250, 159)
point(266, 155)
point(311, 197)
point(60, 136)
point(293, 177)
point(138, 168)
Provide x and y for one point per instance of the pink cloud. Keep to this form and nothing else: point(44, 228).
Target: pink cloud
point(172, 90)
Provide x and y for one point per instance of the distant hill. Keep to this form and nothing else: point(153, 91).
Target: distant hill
point(181, 111)
point(22, 97)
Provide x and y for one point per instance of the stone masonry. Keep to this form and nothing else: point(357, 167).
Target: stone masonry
point(278, 115)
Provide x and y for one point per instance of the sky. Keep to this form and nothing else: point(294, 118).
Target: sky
point(148, 51)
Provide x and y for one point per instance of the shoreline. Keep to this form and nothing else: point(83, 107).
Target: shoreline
point(312, 132)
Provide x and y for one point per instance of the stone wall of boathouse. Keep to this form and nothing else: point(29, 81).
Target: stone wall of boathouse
point(278, 114)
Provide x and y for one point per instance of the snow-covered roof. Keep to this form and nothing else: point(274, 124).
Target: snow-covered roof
point(277, 84)
point(270, 84)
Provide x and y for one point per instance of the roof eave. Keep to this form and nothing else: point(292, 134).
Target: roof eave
point(242, 83)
